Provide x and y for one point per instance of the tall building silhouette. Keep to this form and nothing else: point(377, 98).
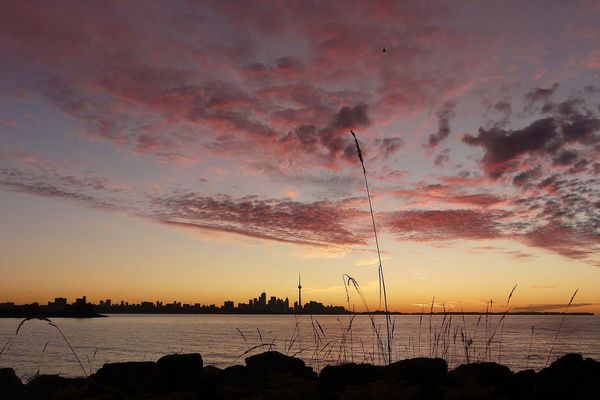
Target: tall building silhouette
point(299, 291)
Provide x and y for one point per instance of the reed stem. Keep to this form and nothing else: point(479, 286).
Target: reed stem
point(382, 289)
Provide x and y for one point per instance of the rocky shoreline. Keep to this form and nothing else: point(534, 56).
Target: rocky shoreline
point(272, 375)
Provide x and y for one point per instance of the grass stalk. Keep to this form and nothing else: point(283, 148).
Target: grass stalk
point(52, 324)
point(502, 320)
point(382, 289)
point(430, 318)
point(562, 320)
point(420, 323)
point(377, 342)
point(42, 357)
point(530, 345)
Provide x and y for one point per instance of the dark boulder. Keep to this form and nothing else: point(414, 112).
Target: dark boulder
point(235, 383)
point(178, 369)
point(591, 376)
point(10, 384)
point(419, 371)
point(269, 375)
point(236, 375)
point(274, 361)
point(336, 377)
point(570, 377)
point(131, 377)
point(486, 375)
point(422, 376)
point(182, 364)
point(212, 371)
point(48, 386)
point(523, 385)
point(418, 379)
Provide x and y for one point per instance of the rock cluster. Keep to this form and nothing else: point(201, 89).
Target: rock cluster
point(273, 375)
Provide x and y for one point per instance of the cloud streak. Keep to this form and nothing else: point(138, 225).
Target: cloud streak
point(318, 223)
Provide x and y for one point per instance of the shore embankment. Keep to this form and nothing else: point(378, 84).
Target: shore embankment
point(272, 375)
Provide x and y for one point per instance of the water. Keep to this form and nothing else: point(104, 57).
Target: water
point(216, 337)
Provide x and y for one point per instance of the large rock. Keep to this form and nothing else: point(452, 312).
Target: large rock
point(418, 378)
point(49, 386)
point(419, 371)
point(178, 369)
point(269, 375)
point(570, 377)
point(336, 377)
point(274, 361)
point(235, 375)
point(486, 375)
point(591, 374)
point(523, 385)
point(183, 364)
point(131, 377)
point(212, 371)
point(10, 383)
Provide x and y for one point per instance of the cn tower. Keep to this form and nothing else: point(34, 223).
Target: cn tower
point(299, 291)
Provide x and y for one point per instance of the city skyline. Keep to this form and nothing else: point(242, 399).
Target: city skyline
point(60, 307)
point(259, 304)
point(176, 148)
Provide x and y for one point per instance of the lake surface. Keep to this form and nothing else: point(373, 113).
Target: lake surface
point(224, 340)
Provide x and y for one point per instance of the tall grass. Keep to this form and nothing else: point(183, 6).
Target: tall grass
point(490, 335)
point(382, 289)
point(430, 322)
point(506, 310)
point(377, 342)
point(530, 345)
point(5, 347)
point(562, 320)
point(42, 357)
point(420, 323)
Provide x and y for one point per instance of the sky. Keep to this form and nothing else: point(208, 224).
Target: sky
point(200, 151)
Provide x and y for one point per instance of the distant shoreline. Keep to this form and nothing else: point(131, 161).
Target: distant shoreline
point(50, 315)
point(97, 315)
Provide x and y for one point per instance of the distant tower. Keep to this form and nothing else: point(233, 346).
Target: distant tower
point(299, 291)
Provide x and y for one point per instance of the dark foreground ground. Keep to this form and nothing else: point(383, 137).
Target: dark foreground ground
point(272, 375)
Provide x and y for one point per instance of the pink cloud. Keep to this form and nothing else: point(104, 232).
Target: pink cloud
point(318, 223)
point(444, 224)
point(575, 242)
point(116, 80)
point(440, 194)
point(592, 61)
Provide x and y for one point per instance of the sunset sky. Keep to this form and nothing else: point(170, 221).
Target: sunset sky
point(201, 151)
